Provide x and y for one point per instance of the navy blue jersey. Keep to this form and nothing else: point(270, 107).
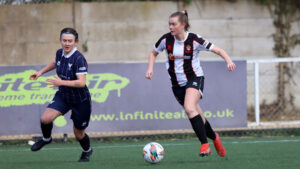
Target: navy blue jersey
point(67, 67)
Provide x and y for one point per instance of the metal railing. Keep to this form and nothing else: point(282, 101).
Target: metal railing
point(256, 66)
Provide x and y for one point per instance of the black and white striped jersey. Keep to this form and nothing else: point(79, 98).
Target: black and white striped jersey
point(67, 68)
point(182, 56)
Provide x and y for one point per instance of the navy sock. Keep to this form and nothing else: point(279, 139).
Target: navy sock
point(209, 131)
point(199, 128)
point(46, 129)
point(85, 143)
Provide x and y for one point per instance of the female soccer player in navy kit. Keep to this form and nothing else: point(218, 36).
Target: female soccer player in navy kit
point(183, 65)
point(73, 94)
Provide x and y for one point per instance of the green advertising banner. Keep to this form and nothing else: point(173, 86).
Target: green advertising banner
point(123, 100)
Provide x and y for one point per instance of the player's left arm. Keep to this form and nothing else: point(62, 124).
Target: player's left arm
point(230, 64)
point(81, 69)
point(79, 83)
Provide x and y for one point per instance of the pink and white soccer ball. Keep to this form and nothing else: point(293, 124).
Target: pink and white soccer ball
point(153, 152)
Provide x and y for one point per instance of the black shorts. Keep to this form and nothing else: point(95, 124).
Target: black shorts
point(81, 112)
point(196, 83)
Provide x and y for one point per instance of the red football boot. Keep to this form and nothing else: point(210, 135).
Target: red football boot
point(219, 147)
point(204, 150)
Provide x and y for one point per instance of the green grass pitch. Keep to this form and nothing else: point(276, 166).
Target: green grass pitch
point(242, 153)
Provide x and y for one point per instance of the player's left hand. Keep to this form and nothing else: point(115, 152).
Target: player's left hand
point(55, 82)
point(231, 66)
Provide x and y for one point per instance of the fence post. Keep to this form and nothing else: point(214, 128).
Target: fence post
point(256, 92)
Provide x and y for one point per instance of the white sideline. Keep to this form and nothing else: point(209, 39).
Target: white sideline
point(165, 145)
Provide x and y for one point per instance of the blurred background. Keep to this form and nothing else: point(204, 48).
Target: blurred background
point(265, 33)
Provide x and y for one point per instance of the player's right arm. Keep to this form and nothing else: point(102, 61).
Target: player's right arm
point(49, 67)
point(159, 46)
point(151, 61)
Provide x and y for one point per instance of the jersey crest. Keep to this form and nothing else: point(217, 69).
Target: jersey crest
point(70, 66)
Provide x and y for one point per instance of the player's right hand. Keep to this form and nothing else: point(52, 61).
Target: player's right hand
point(35, 76)
point(149, 74)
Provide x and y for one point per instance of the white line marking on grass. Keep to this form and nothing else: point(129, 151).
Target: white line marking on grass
point(263, 141)
point(140, 145)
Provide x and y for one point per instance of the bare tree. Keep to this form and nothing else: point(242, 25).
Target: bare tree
point(284, 13)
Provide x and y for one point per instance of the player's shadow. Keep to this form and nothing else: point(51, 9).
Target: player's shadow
point(169, 163)
point(184, 162)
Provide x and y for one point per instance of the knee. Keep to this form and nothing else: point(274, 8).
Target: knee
point(46, 120)
point(79, 134)
point(191, 111)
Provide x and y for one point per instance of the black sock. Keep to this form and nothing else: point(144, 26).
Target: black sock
point(85, 142)
point(209, 131)
point(198, 126)
point(46, 129)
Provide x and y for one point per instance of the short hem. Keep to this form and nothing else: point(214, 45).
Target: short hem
point(201, 93)
point(80, 128)
point(57, 109)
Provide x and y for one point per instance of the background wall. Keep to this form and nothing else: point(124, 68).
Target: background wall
point(127, 31)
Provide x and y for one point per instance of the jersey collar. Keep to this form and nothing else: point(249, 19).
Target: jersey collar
point(187, 35)
point(69, 54)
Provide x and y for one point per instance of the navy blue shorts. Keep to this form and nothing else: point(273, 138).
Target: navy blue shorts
point(81, 112)
point(196, 83)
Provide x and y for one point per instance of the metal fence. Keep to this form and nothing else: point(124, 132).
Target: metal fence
point(266, 107)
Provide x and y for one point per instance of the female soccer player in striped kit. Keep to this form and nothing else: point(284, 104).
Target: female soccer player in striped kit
point(73, 94)
point(183, 65)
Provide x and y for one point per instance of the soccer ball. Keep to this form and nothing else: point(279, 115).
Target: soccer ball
point(153, 152)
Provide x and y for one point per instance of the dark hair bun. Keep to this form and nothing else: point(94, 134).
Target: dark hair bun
point(185, 12)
